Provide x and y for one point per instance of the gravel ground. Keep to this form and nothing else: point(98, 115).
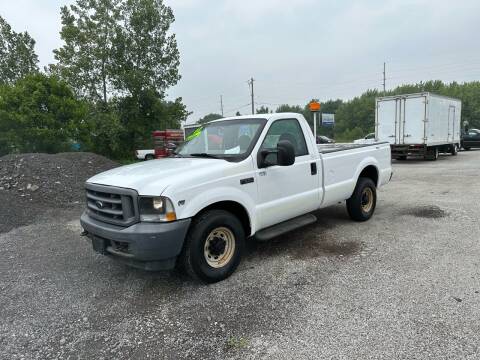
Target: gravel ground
point(404, 285)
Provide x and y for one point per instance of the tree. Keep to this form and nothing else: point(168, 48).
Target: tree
point(17, 54)
point(147, 56)
point(289, 108)
point(87, 59)
point(121, 47)
point(146, 112)
point(39, 113)
point(209, 117)
point(263, 110)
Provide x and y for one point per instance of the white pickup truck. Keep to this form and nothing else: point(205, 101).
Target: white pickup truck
point(234, 179)
point(145, 154)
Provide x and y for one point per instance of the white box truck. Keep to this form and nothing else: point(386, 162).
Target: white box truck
point(421, 125)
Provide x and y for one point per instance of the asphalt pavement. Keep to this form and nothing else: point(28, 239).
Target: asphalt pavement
point(404, 285)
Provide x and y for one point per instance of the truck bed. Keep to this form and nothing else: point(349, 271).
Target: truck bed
point(341, 163)
point(329, 148)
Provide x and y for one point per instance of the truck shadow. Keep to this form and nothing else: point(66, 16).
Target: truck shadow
point(410, 161)
point(310, 242)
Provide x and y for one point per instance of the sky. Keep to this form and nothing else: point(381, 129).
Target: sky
point(295, 50)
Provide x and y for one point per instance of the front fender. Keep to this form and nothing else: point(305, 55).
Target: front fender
point(209, 197)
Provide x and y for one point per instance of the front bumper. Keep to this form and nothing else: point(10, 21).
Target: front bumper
point(149, 246)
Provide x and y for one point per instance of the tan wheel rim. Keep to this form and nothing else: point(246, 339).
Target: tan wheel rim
point(219, 247)
point(367, 200)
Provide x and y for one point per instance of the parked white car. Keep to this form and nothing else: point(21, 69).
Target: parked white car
point(369, 139)
point(238, 178)
point(145, 154)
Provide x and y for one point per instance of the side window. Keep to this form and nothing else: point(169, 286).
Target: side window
point(287, 129)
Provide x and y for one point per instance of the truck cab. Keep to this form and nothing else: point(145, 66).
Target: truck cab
point(234, 180)
point(471, 139)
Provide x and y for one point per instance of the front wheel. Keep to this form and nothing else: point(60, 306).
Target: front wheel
point(362, 203)
point(213, 247)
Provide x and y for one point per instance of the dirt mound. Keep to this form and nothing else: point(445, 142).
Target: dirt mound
point(50, 179)
point(35, 182)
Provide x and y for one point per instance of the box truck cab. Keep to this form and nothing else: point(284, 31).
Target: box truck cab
point(421, 124)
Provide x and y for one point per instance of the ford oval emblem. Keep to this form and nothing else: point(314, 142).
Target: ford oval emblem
point(99, 204)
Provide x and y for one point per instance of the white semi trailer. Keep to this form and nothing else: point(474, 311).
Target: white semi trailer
point(421, 125)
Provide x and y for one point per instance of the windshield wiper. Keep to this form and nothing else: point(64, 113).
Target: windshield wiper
point(205, 155)
point(174, 154)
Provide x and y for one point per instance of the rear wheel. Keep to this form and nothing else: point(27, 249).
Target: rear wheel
point(213, 247)
point(432, 153)
point(149, 157)
point(362, 203)
point(454, 149)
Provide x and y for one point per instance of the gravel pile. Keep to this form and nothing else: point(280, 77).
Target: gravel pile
point(30, 184)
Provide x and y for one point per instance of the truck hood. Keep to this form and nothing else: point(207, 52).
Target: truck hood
point(152, 177)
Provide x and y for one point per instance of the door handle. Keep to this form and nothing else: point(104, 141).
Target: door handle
point(313, 168)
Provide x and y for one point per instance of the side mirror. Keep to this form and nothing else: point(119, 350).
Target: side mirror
point(283, 155)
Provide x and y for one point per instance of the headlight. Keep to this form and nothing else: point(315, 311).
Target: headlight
point(156, 209)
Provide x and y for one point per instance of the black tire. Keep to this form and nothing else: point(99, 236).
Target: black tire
point(454, 149)
point(149, 157)
point(193, 259)
point(356, 205)
point(432, 154)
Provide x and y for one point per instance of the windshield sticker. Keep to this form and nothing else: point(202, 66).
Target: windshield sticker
point(194, 134)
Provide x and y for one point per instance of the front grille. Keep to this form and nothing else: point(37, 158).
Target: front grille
point(112, 204)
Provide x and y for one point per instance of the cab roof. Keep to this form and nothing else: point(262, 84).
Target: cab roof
point(261, 116)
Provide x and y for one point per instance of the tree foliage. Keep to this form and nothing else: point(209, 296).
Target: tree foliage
point(148, 57)
point(121, 58)
point(141, 115)
point(17, 54)
point(263, 110)
point(209, 117)
point(86, 60)
point(39, 113)
point(117, 48)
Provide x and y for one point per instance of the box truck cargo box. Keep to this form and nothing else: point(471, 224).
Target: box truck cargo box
point(422, 124)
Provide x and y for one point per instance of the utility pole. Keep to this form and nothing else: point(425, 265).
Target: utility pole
point(221, 104)
point(250, 82)
point(384, 79)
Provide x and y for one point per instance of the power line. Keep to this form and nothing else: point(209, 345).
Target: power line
point(236, 109)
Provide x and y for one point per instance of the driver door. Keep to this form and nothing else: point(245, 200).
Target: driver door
point(285, 192)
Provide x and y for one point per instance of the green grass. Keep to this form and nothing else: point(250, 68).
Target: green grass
point(237, 342)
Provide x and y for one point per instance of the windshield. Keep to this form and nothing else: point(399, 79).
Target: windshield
point(223, 139)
